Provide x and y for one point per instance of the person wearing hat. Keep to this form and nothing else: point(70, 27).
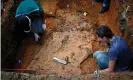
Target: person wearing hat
point(29, 18)
point(119, 56)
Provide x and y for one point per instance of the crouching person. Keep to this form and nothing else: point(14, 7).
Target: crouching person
point(29, 18)
point(119, 55)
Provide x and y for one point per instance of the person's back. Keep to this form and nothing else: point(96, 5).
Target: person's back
point(120, 51)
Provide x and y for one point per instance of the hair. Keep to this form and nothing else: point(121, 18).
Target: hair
point(24, 23)
point(104, 31)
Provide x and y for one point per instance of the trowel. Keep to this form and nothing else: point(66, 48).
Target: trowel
point(59, 60)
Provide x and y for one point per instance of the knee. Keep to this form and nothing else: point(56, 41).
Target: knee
point(100, 58)
point(96, 54)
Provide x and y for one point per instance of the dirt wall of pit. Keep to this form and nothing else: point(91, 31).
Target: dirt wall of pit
point(9, 43)
point(126, 21)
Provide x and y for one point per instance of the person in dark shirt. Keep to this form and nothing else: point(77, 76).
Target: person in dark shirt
point(119, 55)
point(29, 19)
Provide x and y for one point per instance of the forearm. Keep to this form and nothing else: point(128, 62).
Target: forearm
point(106, 70)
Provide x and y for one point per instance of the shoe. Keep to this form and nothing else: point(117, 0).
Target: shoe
point(103, 10)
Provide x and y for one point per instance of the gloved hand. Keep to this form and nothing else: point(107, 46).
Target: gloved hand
point(37, 37)
point(44, 26)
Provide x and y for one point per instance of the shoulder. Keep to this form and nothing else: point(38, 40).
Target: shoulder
point(118, 41)
point(115, 44)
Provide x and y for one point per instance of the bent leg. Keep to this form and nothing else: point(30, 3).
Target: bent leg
point(101, 58)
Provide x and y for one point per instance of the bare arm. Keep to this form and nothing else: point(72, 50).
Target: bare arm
point(111, 67)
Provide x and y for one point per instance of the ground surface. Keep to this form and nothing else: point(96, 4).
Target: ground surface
point(69, 35)
point(26, 76)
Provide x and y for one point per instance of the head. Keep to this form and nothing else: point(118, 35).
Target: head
point(104, 34)
point(24, 24)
